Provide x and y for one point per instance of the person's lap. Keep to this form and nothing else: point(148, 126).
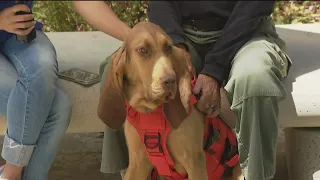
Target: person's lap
point(254, 88)
point(38, 112)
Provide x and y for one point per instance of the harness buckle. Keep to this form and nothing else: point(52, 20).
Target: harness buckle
point(152, 140)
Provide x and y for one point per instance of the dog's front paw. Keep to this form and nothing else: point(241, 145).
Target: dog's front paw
point(237, 173)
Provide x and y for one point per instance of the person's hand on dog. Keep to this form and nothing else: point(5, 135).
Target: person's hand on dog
point(209, 91)
point(16, 24)
point(206, 86)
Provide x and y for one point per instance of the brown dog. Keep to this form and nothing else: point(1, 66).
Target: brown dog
point(148, 71)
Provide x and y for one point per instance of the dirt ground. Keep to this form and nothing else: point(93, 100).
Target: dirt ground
point(80, 157)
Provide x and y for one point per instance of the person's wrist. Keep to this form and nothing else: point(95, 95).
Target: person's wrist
point(125, 33)
point(214, 80)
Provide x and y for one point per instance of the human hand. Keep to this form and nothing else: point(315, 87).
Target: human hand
point(188, 59)
point(209, 91)
point(13, 23)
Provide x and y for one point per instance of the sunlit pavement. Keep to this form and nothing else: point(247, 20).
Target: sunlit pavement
point(80, 157)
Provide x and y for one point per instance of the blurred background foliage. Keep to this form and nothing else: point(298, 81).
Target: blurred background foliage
point(59, 16)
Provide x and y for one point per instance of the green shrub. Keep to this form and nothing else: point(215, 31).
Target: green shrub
point(296, 12)
point(130, 12)
point(61, 16)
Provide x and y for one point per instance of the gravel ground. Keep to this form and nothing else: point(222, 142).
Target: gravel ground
point(80, 157)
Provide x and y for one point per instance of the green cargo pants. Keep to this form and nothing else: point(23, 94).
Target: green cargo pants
point(254, 89)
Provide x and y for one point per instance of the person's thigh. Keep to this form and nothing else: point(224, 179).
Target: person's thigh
point(8, 79)
point(257, 70)
point(254, 89)
point(31, 59)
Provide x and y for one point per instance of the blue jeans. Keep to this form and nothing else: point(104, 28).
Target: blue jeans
point(38, 112)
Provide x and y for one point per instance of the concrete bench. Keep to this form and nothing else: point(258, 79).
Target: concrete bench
point(299, 113)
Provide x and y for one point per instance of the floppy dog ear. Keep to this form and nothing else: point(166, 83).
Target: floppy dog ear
point(177, 109)
point(111, 108)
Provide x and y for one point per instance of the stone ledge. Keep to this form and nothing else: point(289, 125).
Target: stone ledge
point(308, 28)
point(86, 50)
point(301, 108)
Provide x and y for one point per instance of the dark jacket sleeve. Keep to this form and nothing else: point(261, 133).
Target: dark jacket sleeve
point(167, 15)
point(239, 28)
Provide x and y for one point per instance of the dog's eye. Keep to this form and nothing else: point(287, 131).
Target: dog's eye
point(143, 50)
point(167, 48)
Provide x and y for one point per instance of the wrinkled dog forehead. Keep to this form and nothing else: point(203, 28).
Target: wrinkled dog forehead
point(144, 31)
point(146, 26)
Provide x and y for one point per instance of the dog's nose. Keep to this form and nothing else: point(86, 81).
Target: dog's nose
point(168, 80)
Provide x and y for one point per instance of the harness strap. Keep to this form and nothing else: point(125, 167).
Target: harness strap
point(219, 133)
point(154, 137)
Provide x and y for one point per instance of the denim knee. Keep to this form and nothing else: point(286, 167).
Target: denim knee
point(44, 78)
point(35, 63)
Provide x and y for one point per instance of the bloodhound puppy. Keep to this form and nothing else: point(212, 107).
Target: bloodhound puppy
point(148, 71)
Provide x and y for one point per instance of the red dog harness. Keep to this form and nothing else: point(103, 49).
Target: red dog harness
point(154, 135)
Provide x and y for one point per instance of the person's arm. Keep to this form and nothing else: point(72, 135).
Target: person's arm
point(167, 15)
point(101, 16)
point(240, 27)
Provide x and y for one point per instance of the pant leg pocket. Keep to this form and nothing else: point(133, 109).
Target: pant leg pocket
point(281, 60)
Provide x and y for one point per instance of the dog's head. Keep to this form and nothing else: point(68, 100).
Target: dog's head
point(146, 71)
